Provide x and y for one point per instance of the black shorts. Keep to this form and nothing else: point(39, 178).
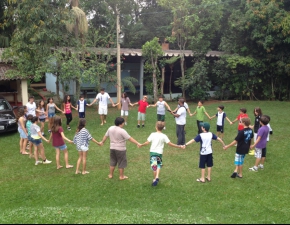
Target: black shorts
point(205, 160)
point(264, 151)
point(42, 120)
point(220, 128)
point(160, 117)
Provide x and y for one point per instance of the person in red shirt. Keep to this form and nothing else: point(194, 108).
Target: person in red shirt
point(243, 114)
point(143, 105)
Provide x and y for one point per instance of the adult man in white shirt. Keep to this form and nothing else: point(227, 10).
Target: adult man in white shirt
point(180, 119)
point(31, 107)
point(102, 99)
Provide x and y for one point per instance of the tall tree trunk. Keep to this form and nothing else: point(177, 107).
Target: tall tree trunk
point(57, 88)
point(182, 72)
point(162, 80)
point(170, 80)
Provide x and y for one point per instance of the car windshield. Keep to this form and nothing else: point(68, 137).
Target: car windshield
point(4, 105)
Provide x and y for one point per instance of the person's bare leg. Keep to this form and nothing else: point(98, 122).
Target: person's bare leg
point(157, 173)
point(20, 144)
point(84, 163)
point(139, 122)
point(112, 169)
point(79, 162)
point(102, 119)
point(42, 153)
point(240, 170)
point(263, 160)
point(35, 153)
point(202, 175)
point(24, 143)
point(257, 162)
point(57, 153)
point(222, 136)
point(125, 118)
point(121, 174)
point(105, 118)
point(208, 173)
point(30, 150)
point(67, 165)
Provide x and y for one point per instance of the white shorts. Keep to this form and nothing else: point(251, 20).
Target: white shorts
point(124, 113)
point(255, 137)
point(258, 153)
point(103, 110)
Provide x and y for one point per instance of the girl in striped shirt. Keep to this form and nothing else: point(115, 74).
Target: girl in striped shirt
point(81, 140)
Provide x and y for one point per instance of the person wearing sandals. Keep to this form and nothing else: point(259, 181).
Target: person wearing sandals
point(118, 137)
point(81, 140)
point(21, 121)
point(242, 141)
point(206, 159)
point(157, 140)
point(58, 143)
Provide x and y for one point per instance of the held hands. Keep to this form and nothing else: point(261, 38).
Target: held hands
point(182, 146)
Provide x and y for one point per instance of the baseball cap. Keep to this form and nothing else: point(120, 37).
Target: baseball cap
point(205, 125)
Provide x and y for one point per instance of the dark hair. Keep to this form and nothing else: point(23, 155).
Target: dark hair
point(82, 124)
point(56, 123)
point(34, 119)
point(119, 121)
point(29, 117)
point(201, 101)
point(160, 96)
point(246, 121)
point(258, 110)
point(38, 105)
point(159, 126)
point(265, 119)
point(81, 96)
point(181, 100)
point(243, 110)
point(221, 107)
point(20, 113)
point(49, 99)
point(31, 97)
point(125, 94)
point(102, 89)
point(65, 100)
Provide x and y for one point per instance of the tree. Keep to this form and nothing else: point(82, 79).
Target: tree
point(151, 51)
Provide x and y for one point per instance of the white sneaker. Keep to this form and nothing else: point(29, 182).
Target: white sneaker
point(261, 166)
point(38, 162)
point(164, 128)
point(46, 162)
point(255, 169)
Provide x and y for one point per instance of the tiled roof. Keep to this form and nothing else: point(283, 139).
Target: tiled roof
point(3, 69)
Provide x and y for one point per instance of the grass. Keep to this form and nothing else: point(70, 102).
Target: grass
point(42, 194)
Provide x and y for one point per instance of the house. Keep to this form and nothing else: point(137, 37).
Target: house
point(133, 66)
point(14, 90)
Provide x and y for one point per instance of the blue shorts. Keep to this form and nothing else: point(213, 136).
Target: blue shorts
point(205, 160)
point(36, 141)
point(50, 115)
point(220, 128)
point(22, 133)
point(155, 161)
point(63, 147)
point(29, 138)
point(239, 159)
point(82, 114)
point(42, 120)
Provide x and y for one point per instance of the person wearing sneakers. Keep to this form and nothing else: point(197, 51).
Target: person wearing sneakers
point(243, 141)
point(118, 137)
point(58, 143)
point(157, 140)
point(180, 120)
point(261, 142)
point(161, 104)
point(36, 139)
point(143, 105)
point(242, 114)
point(67, 110)
point(257, 113)
point(102, 98)
point(205, 138)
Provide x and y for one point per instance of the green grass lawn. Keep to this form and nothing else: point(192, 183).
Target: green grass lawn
point(43, 194)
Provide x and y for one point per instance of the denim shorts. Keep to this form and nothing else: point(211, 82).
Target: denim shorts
point(62, 147)
point(36, 141)
point(29, 138)
point(50, 115)
point(42, 120)
point(22, 133)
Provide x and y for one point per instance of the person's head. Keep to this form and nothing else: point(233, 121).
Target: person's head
point(124, 95)
point(66, 99)
point(160, 98)
point(34, 119)
point(246, 121)
point(31, 99)
point(181, 101)
point(102, 91)
point(56, 123)
point(243, 110)
point(145, 98)
point(50, 100)
point(258, 111)
point(265, 119)
point(82, 124)
point(205, 126)
point(119, 121)
point(41, 104)
point(21, 112)
point(81, 97)
point(29, 117)
point(200, 103)
point(159, 126)
point(220, 108)
point(25, 109)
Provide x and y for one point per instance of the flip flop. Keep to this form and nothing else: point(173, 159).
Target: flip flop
point(69, 166)
point(199, 180)
point(209, 180)
point(59, 167)
point(86, 172)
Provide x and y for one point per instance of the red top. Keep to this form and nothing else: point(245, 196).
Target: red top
point(142, 106)
point(67, 108)
point(239, 117)
point(57, 139)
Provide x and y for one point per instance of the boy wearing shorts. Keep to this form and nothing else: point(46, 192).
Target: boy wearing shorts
point(221, 116)
point(206, 158)
point(261, 142)
point(143, 104)
point(157, 140)
point(243, 142)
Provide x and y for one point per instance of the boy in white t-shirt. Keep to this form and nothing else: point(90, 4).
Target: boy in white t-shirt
point(157, 140)
point(102, 98)
point(31, 107)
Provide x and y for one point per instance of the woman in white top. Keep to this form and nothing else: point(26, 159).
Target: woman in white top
point(31, 107)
